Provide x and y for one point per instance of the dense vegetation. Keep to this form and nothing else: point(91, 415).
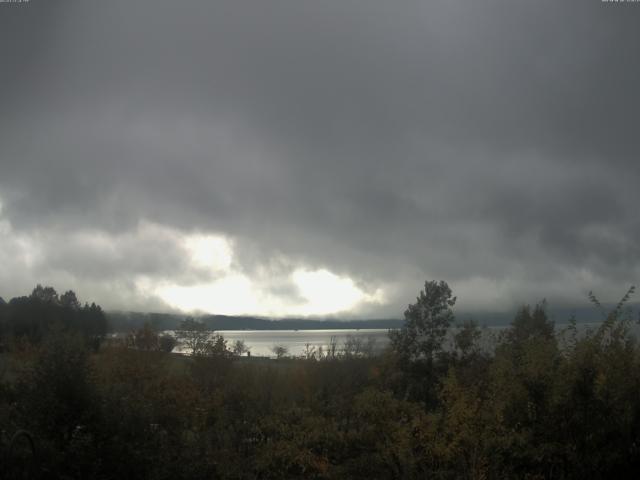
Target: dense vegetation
point(540, 404)
point(32, 319)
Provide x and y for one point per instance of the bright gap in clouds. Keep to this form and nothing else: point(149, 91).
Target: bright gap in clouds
point(207, 281)
point(231, 295)
point(209, 251)
point(320, 292)
point(327, 293)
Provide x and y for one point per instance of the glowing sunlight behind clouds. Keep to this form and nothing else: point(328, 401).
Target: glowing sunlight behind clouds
point(327, 293)
point(209, 251)
point(186, 271)
point(231, 295)
point(230, 292)
point(320, 292)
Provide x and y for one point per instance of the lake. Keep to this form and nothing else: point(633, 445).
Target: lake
point(261, 342)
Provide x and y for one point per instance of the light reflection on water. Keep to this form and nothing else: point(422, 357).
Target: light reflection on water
point(295, 341)
point(261, 342)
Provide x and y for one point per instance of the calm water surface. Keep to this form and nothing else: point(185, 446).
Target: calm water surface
point(295, 341)
point(261, 342)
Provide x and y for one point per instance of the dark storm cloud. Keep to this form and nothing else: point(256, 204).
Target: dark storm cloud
point(493, 144)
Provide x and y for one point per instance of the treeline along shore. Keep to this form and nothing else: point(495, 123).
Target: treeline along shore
point(543, 403)
point(125, 321)
point(121, 321)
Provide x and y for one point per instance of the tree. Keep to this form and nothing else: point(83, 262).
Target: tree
point(93, 323)
point(43, 312)
point(194, 335)
point(309, 352)
point(426, 323)
point(466, 339)
point(279, 350)
point(528, 324)
point(146, 338)
point(56, 391)
point(167, 343)
point(199, 340)
point(240, 348)
point(45, 294)
point(70, 300)
point(217, 346)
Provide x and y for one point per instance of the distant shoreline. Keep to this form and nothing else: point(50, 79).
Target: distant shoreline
point(124, 321)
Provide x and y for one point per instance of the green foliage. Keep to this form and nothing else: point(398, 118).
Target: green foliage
point(532, 407)
point(55, 389)
point(426, 323)
point(467, 340)
point(198, 340)
point(43, 312)
point(528, 324)
point(146, 338)
point(418, 347)
point(167, 343)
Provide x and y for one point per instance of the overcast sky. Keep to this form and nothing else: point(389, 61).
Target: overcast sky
point(311, 157)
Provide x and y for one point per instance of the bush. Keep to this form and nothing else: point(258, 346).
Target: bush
point(167, 343)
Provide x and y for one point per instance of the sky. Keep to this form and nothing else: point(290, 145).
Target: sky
point(319, 158)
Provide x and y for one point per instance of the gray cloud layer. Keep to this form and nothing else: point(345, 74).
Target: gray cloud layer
point(493, 144)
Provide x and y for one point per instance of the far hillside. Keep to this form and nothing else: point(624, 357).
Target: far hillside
point(124, 321)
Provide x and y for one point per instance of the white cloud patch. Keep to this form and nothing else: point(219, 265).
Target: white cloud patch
point(327, 293)
point(320, 293)
point(209, 251)
point(158, 267)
